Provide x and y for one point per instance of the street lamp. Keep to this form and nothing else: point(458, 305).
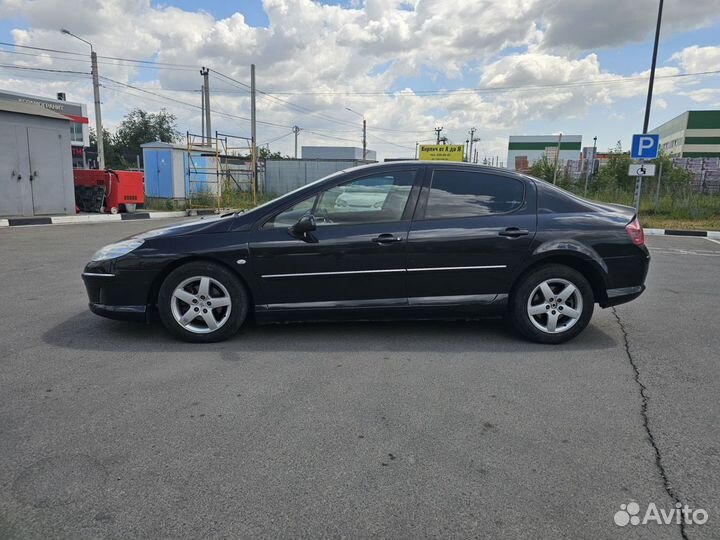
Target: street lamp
point(96, 92)
point(364, 131)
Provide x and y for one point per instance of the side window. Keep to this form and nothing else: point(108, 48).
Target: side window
point(290, 216)
point(365, 200)
point(465, 194)
point(370, 199)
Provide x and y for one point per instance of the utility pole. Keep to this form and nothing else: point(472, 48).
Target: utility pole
point(557, 158)
point(205, 72)
point(202, 112)
point(253, 126)
point(364, 139)
point(364, 130)
point(438, 130)
point(652, 68)
point(96, 94)
point(417, 144)
point(296, 130)
point(591, 165)
point(472, 137)
point(467, 150)
point(98, 118)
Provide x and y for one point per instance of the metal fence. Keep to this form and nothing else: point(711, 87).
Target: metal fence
point(283, 176)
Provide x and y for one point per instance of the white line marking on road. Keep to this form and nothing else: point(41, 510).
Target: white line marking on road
point(712, 240)
point(685, 252)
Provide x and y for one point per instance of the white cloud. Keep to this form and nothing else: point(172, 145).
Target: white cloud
point(698, 59)
point(329, 53)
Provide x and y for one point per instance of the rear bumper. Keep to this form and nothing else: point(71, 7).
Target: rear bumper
point(622, 295)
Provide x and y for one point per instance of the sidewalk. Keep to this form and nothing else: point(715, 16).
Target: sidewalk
point(87, 218)
point(715, 235)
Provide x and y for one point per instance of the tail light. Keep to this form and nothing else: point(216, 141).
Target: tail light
point(635, 232)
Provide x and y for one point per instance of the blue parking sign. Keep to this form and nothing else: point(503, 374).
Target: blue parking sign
point(645, 146)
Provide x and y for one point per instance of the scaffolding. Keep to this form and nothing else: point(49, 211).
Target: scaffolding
point(219, 175)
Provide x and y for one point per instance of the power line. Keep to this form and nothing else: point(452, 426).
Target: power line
point(185, 103)
point(135, 60)
point(27, 68)
point(148, 65)
point(299, 108)
point(275, 139)
point(492, 89)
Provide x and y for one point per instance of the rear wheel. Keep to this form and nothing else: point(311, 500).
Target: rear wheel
point(202, 302)
point(552, 304)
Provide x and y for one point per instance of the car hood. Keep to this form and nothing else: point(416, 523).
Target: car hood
point(203, 225)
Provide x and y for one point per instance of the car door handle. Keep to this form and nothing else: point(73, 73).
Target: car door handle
point(514, 232)
point(386, 238)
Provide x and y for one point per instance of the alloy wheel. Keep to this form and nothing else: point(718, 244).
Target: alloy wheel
point(201, 304)
point(555, 306)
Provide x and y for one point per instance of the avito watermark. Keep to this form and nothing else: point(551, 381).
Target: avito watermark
point(629, 514)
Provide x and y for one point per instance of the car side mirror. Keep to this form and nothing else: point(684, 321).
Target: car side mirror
point(306, 224)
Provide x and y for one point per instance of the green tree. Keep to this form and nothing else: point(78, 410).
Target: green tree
point(139, 127)
point(614, 175)
point(113, 160)
point(544, 169)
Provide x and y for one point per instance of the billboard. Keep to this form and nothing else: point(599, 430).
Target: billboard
point(442, 152)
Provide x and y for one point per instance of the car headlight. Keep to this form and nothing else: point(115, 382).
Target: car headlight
point(118, 249)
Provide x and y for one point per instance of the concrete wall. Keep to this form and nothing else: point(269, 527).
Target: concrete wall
point(283, 176)
point(336, 152)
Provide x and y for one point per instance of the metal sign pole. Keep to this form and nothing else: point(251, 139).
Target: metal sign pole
point(638, 189)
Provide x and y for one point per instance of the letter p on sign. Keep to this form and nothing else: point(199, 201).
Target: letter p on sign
point(645, 146)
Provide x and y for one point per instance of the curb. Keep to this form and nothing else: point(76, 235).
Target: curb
point(715, 235)
point(87, 218)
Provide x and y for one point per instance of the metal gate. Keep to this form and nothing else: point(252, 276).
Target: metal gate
point(48, 194)
point(217, 176)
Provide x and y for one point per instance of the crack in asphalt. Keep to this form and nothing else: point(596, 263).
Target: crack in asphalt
point(646, 422)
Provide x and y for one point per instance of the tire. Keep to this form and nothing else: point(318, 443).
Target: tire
point(224, 304)
point(543, 292)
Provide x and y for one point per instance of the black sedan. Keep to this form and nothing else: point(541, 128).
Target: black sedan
point(405, 239)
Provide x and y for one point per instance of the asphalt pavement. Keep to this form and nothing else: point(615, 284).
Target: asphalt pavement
point(355, 430)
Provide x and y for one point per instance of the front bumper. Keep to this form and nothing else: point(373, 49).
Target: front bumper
point(117, 295)
point(120, 313)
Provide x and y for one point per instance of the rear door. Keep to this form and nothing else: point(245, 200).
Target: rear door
point(472, 230)
point(355, 258)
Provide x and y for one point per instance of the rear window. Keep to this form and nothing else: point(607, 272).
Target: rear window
point(467, 194)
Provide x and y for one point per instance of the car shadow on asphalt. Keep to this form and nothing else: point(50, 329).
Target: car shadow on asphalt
point(86, 331)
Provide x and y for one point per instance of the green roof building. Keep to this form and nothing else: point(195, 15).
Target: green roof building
point(692, 134)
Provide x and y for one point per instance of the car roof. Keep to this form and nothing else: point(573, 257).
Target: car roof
point(438, 165)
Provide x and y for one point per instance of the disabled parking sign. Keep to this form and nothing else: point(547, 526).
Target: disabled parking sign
point(645, 146)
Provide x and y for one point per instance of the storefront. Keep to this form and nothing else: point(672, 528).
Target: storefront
point(75, 112)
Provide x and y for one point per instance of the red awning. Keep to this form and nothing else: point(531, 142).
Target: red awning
point(78, 119)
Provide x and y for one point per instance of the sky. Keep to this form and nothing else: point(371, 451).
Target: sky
point(503, 67)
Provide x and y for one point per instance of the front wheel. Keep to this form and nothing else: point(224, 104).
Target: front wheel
point(202, 302)
point(552, 304)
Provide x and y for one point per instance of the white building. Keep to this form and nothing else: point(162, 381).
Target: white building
point(523, 150)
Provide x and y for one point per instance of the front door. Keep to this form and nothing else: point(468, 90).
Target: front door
point(472, 231)
point(47, 181)
point(356, 256)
